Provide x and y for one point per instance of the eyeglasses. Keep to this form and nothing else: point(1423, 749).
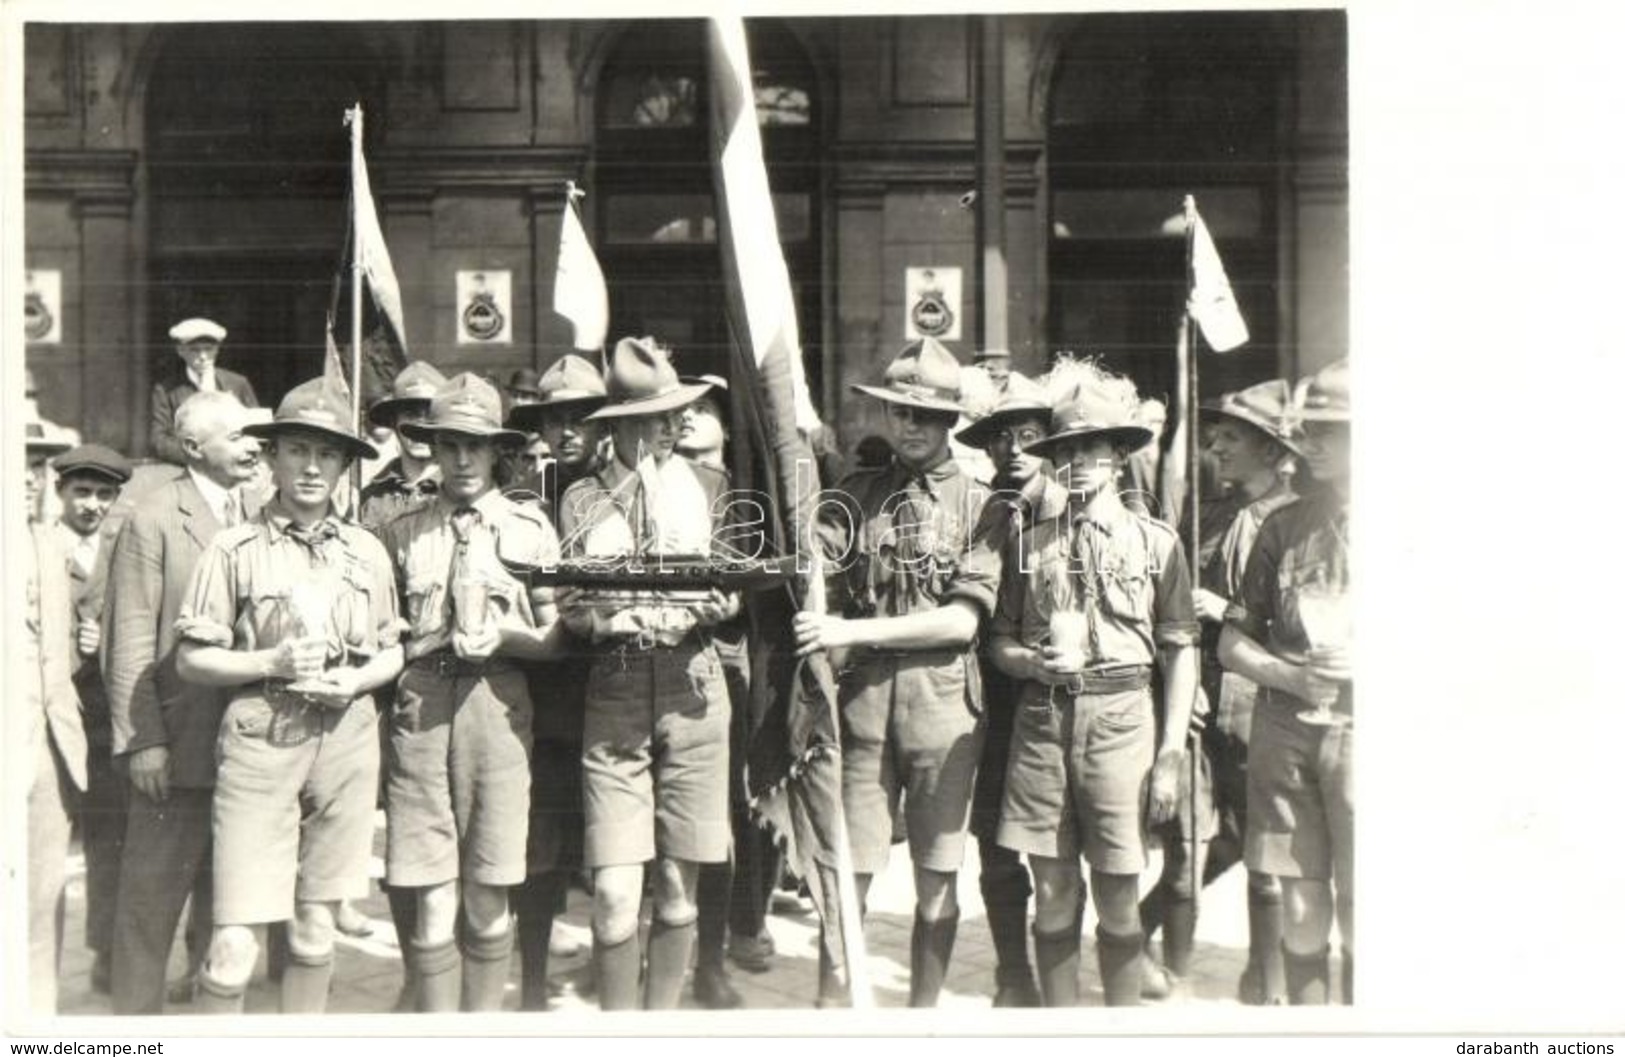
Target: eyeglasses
point(1020, 438)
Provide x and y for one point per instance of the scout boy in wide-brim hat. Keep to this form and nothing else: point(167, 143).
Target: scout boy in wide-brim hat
point(571, 382)
point(642, 381)
point(924, 375)
point(414, 387)
point(315, 407)
point(1024, 399)
point(1095, 411)
point(468, 405)
point(1266, 407)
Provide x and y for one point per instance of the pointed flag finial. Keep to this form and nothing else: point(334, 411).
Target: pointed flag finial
point(573, 192)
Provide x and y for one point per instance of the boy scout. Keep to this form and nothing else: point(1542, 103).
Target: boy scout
point(412, 479)
point(89, 481)
point(458, 770)
point(909, 588)
point(295, 612)
point(1287, 629)
point(1021, 483)
point(1252, 446)
point(1098, 597)
point(569, 391)
point(656, 731)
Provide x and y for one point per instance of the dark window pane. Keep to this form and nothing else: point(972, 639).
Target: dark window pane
point(652, 100)
point(688, 218)
point(1139, 213)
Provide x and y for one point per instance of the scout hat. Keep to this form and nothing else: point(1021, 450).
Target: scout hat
point(1024, 398)
point(1266, 406)
point(924, 375)
point(96, 459)
point(642, 381)
point(1324, 395)
point(523, 382)
point(40, 443)
point(467, 404)
point(197, 329)
point(1089, 402)
point(570, 382)
point(319, 407)
point(416, 383)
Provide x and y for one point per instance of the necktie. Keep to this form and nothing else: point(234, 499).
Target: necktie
point(1086, 564)
point(232, 509)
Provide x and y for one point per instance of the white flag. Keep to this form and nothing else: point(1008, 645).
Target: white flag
point(1213, 304)
point(373, 255)
point(579, 293)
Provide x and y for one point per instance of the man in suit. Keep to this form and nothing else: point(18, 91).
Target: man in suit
point(197, 344)
point(56, 736)
point(164, 729)
point(89, 480)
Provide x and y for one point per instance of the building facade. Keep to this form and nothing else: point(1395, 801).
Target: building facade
point(1003, 180)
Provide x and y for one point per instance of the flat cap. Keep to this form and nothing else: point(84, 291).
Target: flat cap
point(95, 459)
point(197, 329)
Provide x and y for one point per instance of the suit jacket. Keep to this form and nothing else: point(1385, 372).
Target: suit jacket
point(147, 583)
point(168, 396)
point(88, 596)
point(54, 704)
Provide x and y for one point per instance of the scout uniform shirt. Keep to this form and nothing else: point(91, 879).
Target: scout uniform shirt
point(389, 495)
point(1124, 572)
point(903, 541)
point(424, 544)
point(272, 579)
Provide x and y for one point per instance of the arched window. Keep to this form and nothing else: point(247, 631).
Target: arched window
point(1144, 109)
point(652, 192)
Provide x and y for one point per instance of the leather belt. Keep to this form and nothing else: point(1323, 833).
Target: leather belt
point(447, 664)
point(1106, 681)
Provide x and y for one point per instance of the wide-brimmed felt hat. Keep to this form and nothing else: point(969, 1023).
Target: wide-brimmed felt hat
point(96, 459)
point(466, 404)
point(1266, 406)
point(1024, 398)
point(1090, 402)
point(571, 381)
point(924, 375)
point(316, 406)
point(197, 329)
point(417, 383)
point(642, 381)
point(1324, 395)
point(40, 442)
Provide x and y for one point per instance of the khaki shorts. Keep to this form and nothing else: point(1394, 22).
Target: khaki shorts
point(1079, 775)
point(910, 738)
point(1300, 795)
point(293, 805)
point(458, 777)
point(655, 758)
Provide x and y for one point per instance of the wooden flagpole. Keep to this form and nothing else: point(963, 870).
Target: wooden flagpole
point(353, 118)
point(1189, 376)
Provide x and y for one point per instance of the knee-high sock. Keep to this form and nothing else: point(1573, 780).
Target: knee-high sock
point(617, 965)
point(1119, 959)
point(305, 981)
point(1306, 976)
point(712, 901)
point(213, 997)
point(1265, 927)
point(485, 970)
point(930, 952)
point(1348, 977)
point(1178, 935)
point(1058, 954)
point(669, 949)
point(1005, 893)
point(536, 905)
point(437, 977)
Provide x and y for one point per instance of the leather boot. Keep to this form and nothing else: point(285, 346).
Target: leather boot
point(1058, 954)
point(1120, 970)
point(930, 952)
point(438, 980)
point(670, 947)
point(305, 982)
point(616, 967)
point(1307, 976)
point(485, 971)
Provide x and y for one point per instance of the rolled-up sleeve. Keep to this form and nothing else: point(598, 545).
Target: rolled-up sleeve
point(1175, 622)
point(977, 579)
point(209, 614)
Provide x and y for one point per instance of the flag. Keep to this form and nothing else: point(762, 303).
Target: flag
point(333, 368)
point(793, 767)
point(579, 293)
point(1212, 302)
point(383, 323)
point(747, 228)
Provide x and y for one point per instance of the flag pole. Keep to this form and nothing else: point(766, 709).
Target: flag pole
point(353, 118)
point(1193, 497)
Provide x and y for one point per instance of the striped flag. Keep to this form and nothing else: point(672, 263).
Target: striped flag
point(579, 292)
point(1212, 302)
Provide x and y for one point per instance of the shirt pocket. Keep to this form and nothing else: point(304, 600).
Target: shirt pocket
point(424, 602)
point(353, 613)
point(268, 615)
